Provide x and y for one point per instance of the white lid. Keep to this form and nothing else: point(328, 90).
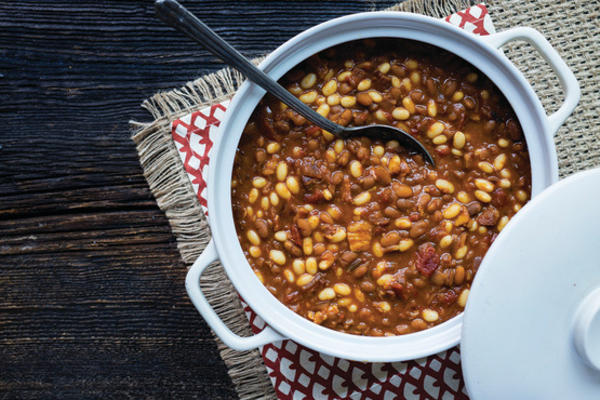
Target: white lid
point(532, 323)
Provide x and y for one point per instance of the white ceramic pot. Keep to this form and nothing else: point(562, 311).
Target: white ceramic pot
point(483, 53)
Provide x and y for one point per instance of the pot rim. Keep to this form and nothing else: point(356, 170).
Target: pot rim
point(488, 59)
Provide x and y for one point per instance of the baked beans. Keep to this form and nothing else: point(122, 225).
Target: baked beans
point(362, 236)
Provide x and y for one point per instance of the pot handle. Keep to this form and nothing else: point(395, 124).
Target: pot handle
point(565, 75)
point(192, 285)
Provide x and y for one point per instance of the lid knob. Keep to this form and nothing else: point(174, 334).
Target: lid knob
point(586, 330)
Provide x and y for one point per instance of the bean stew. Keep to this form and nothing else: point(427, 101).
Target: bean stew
point(363, 236)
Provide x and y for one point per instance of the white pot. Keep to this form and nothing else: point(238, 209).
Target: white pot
point(483, 53)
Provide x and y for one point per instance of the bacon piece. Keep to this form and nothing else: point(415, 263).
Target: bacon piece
point(448, 297)
point(359, 236)
point(397, 288)
point(315, 197)
point(489, 216)
point(295, 235)
point(345, 190)
point(403, 291)
point(427, 259)
point(499, 197)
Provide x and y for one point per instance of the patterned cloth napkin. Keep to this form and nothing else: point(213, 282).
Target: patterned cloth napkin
point(297, 372)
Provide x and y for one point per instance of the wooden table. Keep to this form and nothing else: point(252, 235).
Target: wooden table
point(92, 300)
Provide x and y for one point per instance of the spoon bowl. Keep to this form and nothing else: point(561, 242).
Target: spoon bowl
point(387, 132)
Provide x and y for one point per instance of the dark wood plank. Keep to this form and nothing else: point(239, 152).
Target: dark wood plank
point(92, 301)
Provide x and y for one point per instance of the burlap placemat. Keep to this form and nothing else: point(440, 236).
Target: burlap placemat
point(572, 27)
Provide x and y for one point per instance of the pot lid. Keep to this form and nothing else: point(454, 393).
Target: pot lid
point(532, 323)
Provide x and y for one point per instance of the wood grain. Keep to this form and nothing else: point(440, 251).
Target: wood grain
point(92, 301)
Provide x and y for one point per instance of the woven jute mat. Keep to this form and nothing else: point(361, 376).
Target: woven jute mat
point(573, 28)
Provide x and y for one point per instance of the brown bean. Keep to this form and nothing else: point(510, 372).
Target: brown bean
point(418, 282)
point(319, 248)
point(343, 158)
point(360, 271)
point(437, 216)
point(385, 195)
point(438, 278)
point(367, 286)
point(431, 87)
point(298, 119)
point(417, 96)
point(469, 102)
point(418, 324)
point(367, 65)
point(489, 126)
point(313, 144)
point(362, 153)
point(347, 257)
point(337, 177)
point(473, 207)
point(422, 201)
point(418, 228)
point(364, 99)
point(402, 190)
point(344, 88)
point(398, 70)
point(397, 94)
point(376, 332)
point(432, 190)
point(390, 239)
point(434, 204)
point(446, 260)
point(345, 118)
point(292, 248)
point(261, 155)
point(402, 329)
point(282, 126)
point(459, 275)
point(449, 277)
point(262, 228)
point(367, 182)
point(391, 212)
point(382, 175)
point(449, 87)
point(462, 239)
point(405, 204)
point(364, 313)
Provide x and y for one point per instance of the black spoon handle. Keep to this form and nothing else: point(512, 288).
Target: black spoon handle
point(174, 14)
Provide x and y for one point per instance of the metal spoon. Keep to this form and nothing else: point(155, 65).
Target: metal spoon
point(174, 14)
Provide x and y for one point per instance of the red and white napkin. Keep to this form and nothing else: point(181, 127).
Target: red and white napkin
point(296, 371)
